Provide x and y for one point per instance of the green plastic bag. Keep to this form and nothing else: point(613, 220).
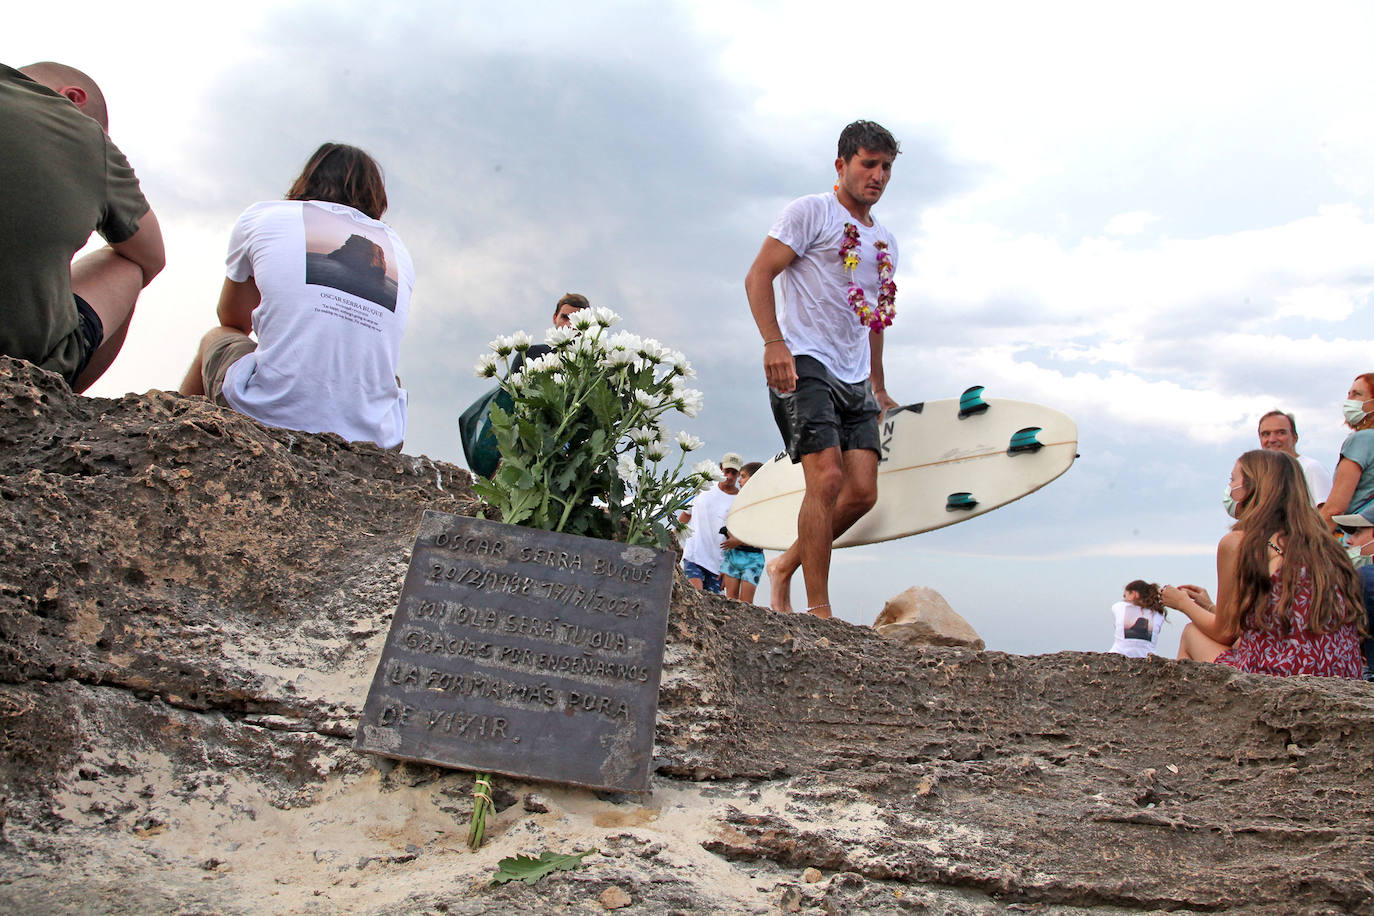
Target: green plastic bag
point(474, 427)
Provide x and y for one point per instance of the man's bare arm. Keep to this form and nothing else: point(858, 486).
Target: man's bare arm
point(875, 372)
point(778, 366)
point(236, 303)
point(145, 248)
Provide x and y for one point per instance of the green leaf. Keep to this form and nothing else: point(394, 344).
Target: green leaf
point(531, 870)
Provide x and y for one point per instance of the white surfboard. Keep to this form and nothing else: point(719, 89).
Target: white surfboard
point(943, 462)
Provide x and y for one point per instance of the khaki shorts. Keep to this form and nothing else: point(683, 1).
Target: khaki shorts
point(222, 354)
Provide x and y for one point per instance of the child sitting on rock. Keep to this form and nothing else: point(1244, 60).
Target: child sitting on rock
point(1139, 616)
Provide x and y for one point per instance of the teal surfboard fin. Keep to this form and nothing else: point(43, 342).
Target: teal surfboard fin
point(971, 402)
point(1023, 440)
point(960, 500)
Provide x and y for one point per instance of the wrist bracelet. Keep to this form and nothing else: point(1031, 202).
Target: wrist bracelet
point(773, 341)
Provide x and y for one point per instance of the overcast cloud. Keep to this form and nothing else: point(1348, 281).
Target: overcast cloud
point(1156, 221)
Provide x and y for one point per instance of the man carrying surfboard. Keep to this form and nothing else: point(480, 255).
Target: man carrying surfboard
point(824, 359)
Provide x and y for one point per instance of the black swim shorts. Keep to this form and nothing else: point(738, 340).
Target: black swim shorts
point(92, 335)
point(824, 412)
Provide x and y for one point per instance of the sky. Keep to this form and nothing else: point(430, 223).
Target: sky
point(1158, 219)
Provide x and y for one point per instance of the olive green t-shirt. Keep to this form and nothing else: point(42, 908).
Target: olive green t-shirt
point(61, 178)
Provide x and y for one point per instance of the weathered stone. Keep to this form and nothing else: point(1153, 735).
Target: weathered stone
point(921, 616)
point(186, 654)
point(613, 898)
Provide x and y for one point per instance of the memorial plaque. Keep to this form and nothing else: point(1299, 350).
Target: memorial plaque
point(523, 652)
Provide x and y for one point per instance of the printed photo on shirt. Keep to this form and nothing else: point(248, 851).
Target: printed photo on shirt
point(345, 255)
point(1140, 629)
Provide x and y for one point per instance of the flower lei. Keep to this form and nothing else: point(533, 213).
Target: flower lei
point(875, 318)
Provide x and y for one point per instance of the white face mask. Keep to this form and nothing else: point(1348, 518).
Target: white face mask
point(1356, 554)
point(1228, 502)
point(1354, 412)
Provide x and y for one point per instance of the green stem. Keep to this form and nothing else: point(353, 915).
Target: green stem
point(481, 805)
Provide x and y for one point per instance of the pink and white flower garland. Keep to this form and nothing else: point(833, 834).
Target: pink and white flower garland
point(875, 318)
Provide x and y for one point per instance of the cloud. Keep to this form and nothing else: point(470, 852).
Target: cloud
point(1132, 223)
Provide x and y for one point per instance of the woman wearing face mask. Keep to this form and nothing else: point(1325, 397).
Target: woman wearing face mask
point(1288, 599)
point(1352, 487)
point(1358, 533)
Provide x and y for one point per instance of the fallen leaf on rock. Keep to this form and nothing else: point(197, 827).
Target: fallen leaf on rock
point(531, 870)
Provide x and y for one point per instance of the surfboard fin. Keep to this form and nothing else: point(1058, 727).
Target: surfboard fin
point(960, 501)
point(1023, 440)
point(971, 402)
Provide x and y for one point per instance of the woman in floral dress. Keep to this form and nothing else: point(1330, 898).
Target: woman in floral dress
point(1288, 599)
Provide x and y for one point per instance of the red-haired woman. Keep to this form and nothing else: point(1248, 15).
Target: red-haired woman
point(1352, 486)
point(1288, 599)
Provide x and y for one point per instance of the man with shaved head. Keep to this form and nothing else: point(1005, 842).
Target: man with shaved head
point(62, 178)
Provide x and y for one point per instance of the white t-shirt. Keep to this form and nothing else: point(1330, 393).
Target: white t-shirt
point(709, 509)
point(1318, 480)
point(335, 290)
point(816, 318)
point(1137, 630)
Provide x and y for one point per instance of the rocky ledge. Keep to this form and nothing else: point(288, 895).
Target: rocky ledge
point(191, 608)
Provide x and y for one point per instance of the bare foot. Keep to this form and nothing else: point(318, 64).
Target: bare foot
point(779, 586)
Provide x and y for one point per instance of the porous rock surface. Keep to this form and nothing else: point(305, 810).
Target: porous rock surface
point(191, 607)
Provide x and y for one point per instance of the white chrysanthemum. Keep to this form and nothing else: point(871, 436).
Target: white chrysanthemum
point(502, 345)
point(520, 341)
point(515, 381)
point(614, 359)
point(708, 470)
point(652, 350)
point(555, 337)
point(689, 442)
point(540, 364)
point(486, 365)
point(645, 399)
point(582, 319)
point(656, 451)
point(643, 435)
point(589, 343)
point(604, 316)
point(624, 340)
point(558, 378)
point(678, 360)
point(625, 467)
point(690, 401)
